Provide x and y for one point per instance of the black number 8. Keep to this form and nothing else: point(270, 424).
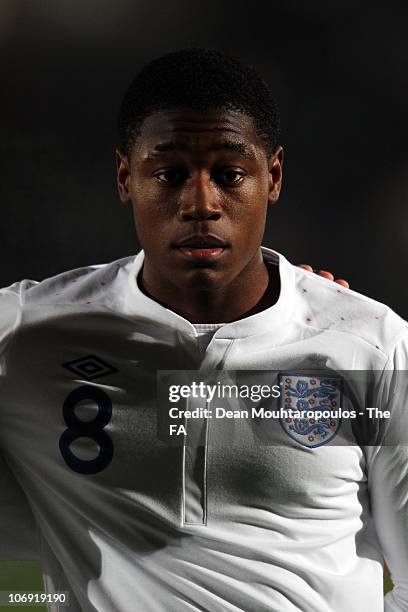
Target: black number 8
point(87, 429)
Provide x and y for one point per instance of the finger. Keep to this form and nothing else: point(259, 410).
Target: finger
point(326, 274)
point(342, 282)
point(306, 267)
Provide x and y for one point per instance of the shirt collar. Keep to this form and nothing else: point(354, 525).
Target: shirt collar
point(270, 320)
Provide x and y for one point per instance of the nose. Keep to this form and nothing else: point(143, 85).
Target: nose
point(199, 200)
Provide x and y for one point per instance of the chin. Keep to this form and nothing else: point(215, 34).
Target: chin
point(204, 279)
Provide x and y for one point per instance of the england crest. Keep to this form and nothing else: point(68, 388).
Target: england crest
point(310, 407)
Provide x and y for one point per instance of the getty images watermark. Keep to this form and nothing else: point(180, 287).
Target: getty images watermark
point(307, 407)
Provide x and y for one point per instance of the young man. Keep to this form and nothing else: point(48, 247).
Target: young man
point(261, 518)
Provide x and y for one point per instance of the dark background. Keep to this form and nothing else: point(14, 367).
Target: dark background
point(338, 69)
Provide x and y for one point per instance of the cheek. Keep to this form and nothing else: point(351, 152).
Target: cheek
point(251, 199)
point(145, 220)
point(151, 225)
point(148, 199)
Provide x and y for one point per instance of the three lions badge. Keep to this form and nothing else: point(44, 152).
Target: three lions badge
point(313, 403)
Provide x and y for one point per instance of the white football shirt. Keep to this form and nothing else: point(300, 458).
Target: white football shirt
point(126, 521)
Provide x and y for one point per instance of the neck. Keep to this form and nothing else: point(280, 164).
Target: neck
point(245, 296)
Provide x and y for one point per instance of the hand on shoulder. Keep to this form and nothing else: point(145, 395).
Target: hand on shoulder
point(325, 274)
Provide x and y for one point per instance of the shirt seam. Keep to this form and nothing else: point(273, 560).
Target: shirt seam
point(354, 335)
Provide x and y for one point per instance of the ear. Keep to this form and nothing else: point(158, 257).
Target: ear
point(275, 165)
point(122, 176)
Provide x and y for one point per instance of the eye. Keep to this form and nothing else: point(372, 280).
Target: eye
point(230, 176)
point(172, 176)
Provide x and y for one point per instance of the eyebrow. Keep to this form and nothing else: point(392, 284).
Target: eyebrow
point(227, 145)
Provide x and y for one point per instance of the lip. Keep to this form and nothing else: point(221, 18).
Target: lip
point(202, 254)
point(203, 241)
point(201, 247)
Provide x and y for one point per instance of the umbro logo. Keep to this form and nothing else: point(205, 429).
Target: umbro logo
point(90, 367)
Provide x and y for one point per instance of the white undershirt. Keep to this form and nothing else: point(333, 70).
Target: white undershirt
point(205, 332)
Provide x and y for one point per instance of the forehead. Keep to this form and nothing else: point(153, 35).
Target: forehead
point(198, 132)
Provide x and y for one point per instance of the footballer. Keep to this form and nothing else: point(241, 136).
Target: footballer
point(125, 520)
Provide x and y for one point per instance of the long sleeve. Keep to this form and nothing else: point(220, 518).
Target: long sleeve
point(18, 531)
point(18, 537)
point(388, 482)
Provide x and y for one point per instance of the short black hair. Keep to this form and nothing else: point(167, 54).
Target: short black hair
point(198, 79)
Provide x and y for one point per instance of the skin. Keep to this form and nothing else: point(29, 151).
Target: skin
point(216, 178)
point(325, 274)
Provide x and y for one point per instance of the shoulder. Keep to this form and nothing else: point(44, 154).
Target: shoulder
point(11, 310)
point(328, 306)
point(87, 284)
